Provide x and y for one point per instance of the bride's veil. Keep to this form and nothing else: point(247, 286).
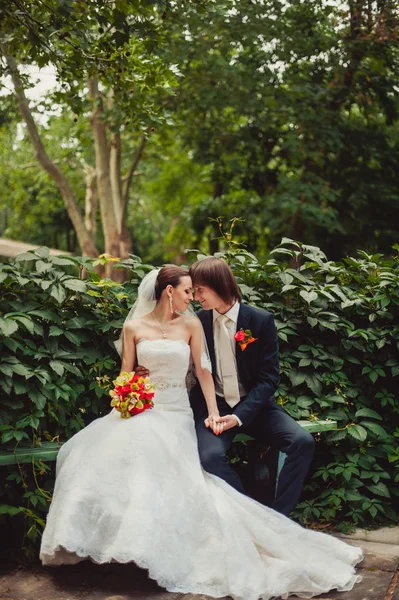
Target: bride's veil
point(145, 304)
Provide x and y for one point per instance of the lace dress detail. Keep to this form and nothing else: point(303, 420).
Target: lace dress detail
point(134, 491)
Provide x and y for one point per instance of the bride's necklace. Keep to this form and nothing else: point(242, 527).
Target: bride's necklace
point(164, 331)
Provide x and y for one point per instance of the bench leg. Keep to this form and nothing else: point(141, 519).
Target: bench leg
point(280, 464)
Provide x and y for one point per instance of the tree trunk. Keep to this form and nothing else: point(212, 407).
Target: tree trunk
point(136, 159)
point(86, 242)
point(104, 187)
point(91, 200)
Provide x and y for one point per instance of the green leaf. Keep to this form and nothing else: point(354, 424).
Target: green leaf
point(8, 326)
point(48, 315)
point(6, 369)
point(58, 293)
point(297, 377)
point(78, 323)
point(6, 384)
point(38, 398)
point(375, 428)
point(20, 369)
point(42, 267)
point(55, 331)
point(45, 284)
point(336, 436)
point(72, 337)
point(20, 387)
point(57, 366)
point(13, 345)
point(26, 256)
point(95, 294)
point(308, 296)
point(380, 489)
point(34, 422)
point(305, 362)
point(61, 261)
point(368, 412)
point(75, 284)
point(26, 322)
point(314, 384)
point(43, 252)
point(358, 432)
point(312, 321)
point(6, 509)
point(7, 436)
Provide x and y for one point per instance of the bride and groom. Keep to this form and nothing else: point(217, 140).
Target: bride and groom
point(135, 490)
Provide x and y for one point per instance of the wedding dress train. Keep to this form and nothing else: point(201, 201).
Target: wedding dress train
point(134, 491)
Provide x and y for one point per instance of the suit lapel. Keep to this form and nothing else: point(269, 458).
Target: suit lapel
point(242, 323)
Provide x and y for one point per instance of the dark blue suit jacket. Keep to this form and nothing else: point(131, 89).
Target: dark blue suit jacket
point(257, 365)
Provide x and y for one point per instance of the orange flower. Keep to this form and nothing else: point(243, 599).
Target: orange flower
point(244, 338)
point(243, 345)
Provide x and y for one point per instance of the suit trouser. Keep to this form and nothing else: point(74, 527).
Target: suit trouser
point(273, 427)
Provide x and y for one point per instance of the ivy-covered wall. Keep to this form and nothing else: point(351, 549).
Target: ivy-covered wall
point(338, 328)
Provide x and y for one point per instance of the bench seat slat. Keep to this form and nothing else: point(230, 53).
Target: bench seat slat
point(48, 451)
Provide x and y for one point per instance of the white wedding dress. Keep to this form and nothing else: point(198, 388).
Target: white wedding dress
point(134, 491)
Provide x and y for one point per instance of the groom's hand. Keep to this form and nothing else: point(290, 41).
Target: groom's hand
point(141, 371)
point(224, 423)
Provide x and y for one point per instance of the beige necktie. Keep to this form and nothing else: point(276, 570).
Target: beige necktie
point(227, 363)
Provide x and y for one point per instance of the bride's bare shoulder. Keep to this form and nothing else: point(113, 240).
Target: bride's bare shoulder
point(192, 322)
point(134, 324)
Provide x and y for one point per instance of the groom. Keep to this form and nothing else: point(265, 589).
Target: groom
point(245, 381)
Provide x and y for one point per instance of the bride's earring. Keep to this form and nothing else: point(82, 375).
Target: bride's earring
point(171, 304)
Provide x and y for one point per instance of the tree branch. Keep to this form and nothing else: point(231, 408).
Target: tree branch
point(128, 183)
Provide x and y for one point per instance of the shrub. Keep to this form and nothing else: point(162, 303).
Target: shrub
point(339, 336)
point(338, 330)
point(57, 358)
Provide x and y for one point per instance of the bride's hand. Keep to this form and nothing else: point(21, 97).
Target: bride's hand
point(212, 422)
point(220, 424)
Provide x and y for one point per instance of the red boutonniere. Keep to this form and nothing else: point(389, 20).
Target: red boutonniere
point(244, 338)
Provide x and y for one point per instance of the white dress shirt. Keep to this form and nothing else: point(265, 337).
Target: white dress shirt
point(231, 325)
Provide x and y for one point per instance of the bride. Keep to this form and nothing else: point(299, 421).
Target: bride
point(134, 490)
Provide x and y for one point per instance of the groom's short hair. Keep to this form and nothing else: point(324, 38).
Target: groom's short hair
point(216, 274)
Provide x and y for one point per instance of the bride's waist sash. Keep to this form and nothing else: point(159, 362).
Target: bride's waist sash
point(168, 384)
point(171, 394)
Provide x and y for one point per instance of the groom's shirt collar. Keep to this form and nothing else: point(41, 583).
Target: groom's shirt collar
point(232, 314)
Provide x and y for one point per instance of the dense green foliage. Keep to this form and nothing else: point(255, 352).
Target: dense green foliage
point(292, 106)
point(339, 337)
point(338, 327)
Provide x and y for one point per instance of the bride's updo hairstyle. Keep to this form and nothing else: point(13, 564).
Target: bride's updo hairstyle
point(169, 275)
point(216, 274)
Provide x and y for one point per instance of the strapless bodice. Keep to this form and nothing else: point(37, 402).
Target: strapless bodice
point(167, 362)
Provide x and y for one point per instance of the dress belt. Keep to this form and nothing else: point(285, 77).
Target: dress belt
point(169, 384)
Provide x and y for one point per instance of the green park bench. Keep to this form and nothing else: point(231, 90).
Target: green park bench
point(47, 451)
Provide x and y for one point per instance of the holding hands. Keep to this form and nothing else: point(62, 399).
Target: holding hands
point(220, 424)
point(214, 421)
